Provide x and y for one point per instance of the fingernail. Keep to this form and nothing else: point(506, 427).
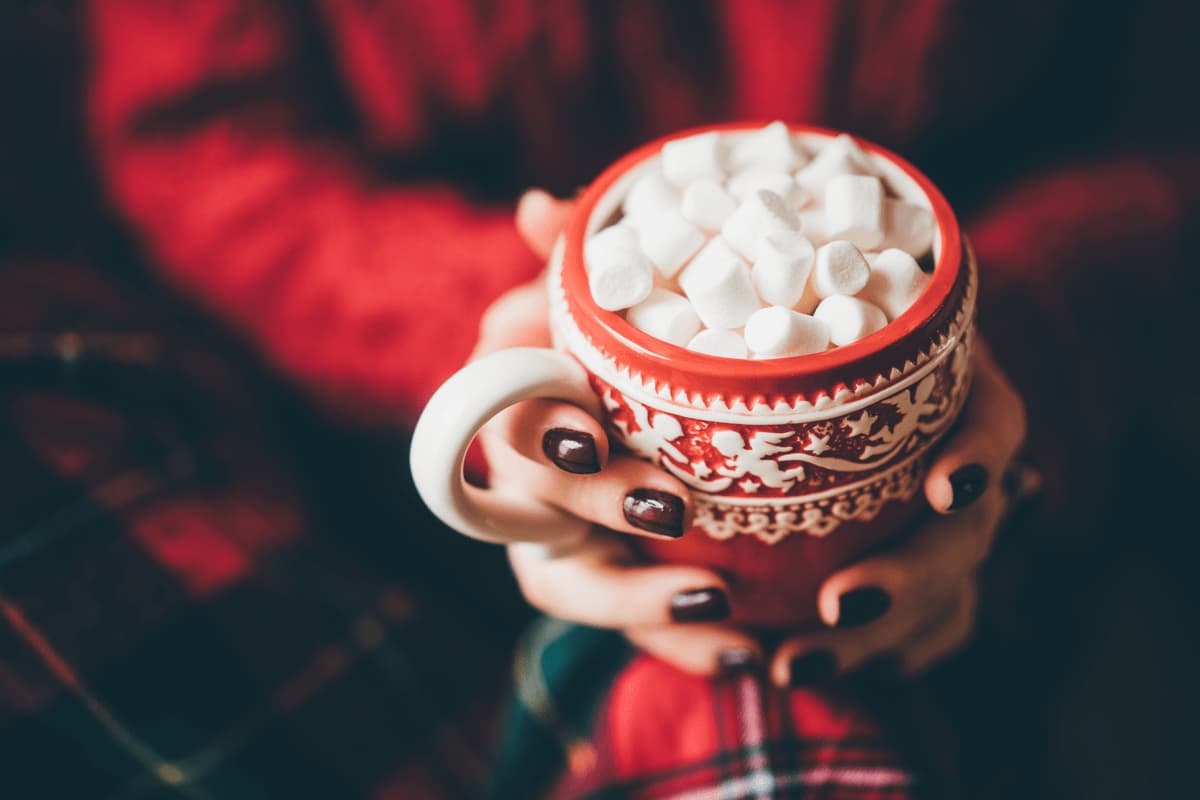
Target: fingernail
point(654, 511)
point(967, 483)
point(736, 660)
point(571, 451)
point(861, 606)
point(699, 605)
point(810, 668)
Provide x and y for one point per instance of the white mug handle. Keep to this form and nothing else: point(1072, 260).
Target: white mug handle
point(456, 412)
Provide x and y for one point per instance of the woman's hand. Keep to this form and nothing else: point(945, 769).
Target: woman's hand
point(915, 602)
point(559, 455)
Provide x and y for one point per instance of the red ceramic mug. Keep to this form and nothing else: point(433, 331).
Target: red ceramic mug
point(798, 466)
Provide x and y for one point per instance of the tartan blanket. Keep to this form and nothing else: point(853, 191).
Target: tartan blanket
point(202, 595)
point(591, 719)
point(185, 612)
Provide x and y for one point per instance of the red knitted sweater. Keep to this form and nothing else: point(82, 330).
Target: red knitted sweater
point(335, 178)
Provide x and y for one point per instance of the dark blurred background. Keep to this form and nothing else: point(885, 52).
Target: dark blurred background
point(1111, 608)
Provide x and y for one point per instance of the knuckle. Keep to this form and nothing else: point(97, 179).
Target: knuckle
point(532, 480)
point(1022, 414)
point(976, 530)
point(979, 550)
point(930, 570)
point(492, 450)
point(992, 505)
point(503, 465)
point(535, 593)
point(1018, 414)
point(498, 316)
point(582, 498)
point(611, 610)
point(963, 629)
point(489, 320)
point(962, 624)
point(632, 470)
point(503, 425)
point(897, 575)
point(955, 641)
point(914, 663)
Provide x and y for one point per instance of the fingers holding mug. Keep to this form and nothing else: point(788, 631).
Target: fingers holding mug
point(455, 414)
point(700, 649)
point(975, 455)
point(628, 495)
point(540, 219)
point(551, 434)
point(600, 584)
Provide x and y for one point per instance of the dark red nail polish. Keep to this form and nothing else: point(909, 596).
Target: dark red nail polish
point(699, 605)
point(967, 483)
point(736, 660)
point(810, 668)
point(571, 451)
point(860, 606)
point(654, 511)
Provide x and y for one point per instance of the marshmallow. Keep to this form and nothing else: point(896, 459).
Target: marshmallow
point(780, 273)
point(839, 157)
point(896, 282)
point(840, 269)
point(777, 332)
point(770, 147)
point(706, 205)
point(849, 318)
point(619, 275)
point(761, 214)
point(718, 284)
point(678, 263)
point(669, 241)
point(713, 342)
point(665, 315)
point(909, 227)
point(693, 158)
point(619, 237)
point(814, 227)
point(854, 210)
point(781, 183)
point(649, 196)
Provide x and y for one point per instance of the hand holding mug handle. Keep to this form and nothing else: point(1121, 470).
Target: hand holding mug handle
point(455, 414)
point(536, 495)
point(483, 389)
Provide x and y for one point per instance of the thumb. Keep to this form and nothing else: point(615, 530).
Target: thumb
point(540, 219)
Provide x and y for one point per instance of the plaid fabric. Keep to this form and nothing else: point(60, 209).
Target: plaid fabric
point(183, 613)
point(591, 719)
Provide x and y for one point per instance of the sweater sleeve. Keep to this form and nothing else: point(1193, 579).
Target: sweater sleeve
point(1085, 294)
point(366, 292)
point(1085, 256)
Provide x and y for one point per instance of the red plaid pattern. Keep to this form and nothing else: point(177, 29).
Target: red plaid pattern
point(663, 734)
point(179, 618)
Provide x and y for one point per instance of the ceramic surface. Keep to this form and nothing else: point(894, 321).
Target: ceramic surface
point(797, 465)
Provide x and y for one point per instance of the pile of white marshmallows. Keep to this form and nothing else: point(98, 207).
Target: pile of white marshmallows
point(740, 245)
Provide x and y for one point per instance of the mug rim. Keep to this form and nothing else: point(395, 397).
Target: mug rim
point(611, 333)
